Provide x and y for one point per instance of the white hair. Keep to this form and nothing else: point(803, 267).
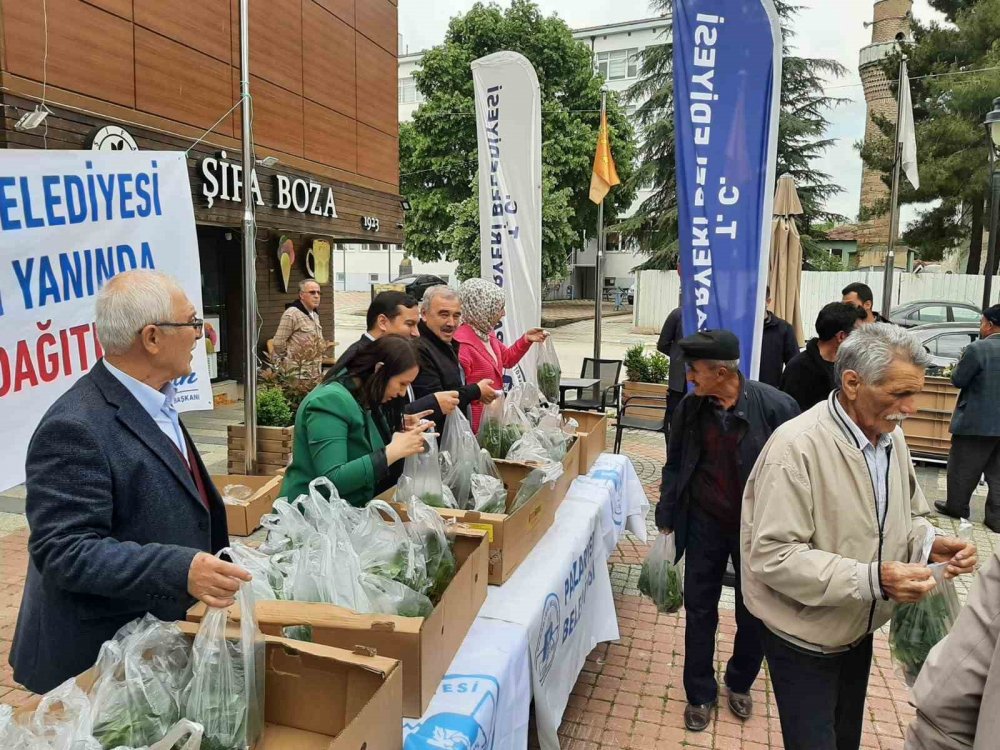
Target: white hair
point(302, 284)
point(871, 349)
point(730, 364)
point(432, 293)
point(128, 303)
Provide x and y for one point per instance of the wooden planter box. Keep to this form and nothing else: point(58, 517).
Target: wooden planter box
point(927, 431)
point(632, 389)
point(274, 449)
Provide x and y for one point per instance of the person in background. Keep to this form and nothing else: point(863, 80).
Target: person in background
point(778, 346)
point(440, 368)
point(957, 694)
point(717, 433)
point(481, 354)
point(975, 425)
point(809, 378)
point(342, 434)
point(300, 332)
point(860, 295)
point(669, 344)
point(125, 520)
point(389, 313)
point(834, 533)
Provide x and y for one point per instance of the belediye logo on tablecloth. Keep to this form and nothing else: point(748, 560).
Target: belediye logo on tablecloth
point(452, 730)
point(549, 637)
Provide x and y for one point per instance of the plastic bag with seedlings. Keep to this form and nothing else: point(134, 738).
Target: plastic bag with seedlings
point(488, 494)
point(660, 578)
point(328, 570)
point(386, 549)
point(503, 422)
point(141, 674)
point(226, 691)
point(526, 397)
point(287, 528)
point(547, 369)
point(422, 477)
point(391, 597)
point(918, 627)
point(60, 722)
point(428, 529)
point(459, 456)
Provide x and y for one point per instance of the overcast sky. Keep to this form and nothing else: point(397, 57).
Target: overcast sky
point(824, 28)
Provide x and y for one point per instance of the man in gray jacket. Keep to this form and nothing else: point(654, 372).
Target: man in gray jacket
point(834, 531)
point(975, 425)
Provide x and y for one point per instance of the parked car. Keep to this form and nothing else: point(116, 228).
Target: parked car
point(945, 341)
point(418, 283)
point(922, 312)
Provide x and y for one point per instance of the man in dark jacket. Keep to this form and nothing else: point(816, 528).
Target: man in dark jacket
point(390, 312)
point(124, 517)
point(670, 345)
point(860, 295)
point(777, 348)
point(975, 425)
point(717, 433)
point(440, 370)
point(809, 378)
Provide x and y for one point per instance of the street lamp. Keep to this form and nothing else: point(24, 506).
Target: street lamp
point(992, 125)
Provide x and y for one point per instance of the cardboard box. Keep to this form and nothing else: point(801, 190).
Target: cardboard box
point(424, 645)
point(571, 470)
point(592, 434)
point(319, 698)
point(243, 520)
point(513, 536)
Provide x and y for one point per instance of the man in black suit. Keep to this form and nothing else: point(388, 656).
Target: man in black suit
point(124, 517)
point(389, 312)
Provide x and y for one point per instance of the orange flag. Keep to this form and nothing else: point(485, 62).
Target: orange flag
point(605, 175)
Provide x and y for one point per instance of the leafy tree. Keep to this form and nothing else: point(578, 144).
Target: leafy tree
point(438, 162)
point(950, 101)
point(801, 127)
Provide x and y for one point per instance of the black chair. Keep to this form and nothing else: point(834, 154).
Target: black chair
point(602, 396)
point(643, 409)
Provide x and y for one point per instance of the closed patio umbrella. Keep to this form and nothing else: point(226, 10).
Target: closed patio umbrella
point(785, 263)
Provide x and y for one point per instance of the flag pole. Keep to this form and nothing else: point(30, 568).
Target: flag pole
point(599, 264)
point(890, 258)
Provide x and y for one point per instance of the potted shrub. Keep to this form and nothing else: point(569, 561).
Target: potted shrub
point(645, 376)
point(281, 386)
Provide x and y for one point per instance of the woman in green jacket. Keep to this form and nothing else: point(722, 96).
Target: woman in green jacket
point(341, 433)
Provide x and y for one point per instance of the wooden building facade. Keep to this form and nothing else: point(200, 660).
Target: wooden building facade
point(162, 74)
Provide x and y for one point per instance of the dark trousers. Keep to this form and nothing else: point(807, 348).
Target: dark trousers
point(970, 457)
point(707, 551)
point(673, 401)
point(821, 698)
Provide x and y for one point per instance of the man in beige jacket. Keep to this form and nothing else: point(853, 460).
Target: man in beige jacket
point(834, 533)
point(957, 694)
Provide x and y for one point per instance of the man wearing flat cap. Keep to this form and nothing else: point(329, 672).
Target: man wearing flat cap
point(716, 434)
point(975, 425)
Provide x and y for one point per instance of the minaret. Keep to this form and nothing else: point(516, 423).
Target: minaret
point(890, 25)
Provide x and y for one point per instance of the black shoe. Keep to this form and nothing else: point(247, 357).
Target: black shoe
point(697, 717)
point(994, 527)
point(741, 704)
point(942, 507)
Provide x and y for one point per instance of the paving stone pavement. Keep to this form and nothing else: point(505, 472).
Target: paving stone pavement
point(630, 693)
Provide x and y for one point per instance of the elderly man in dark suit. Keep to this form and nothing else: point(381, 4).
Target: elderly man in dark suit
point(975, 425)
point(123, 515)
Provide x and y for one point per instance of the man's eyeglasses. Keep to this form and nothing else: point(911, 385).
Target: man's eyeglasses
point(198, 324)
point(316, 292)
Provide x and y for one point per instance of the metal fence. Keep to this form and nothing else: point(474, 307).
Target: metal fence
point(657, 292)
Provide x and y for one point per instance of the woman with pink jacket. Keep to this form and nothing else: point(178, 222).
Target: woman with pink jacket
point(481, 353)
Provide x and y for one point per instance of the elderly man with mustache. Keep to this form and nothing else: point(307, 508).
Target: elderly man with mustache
point(834, 533)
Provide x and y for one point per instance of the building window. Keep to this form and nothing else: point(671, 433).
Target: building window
point(408, 93)
point(618, 64)
point(373, 277)
point(340, 277)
